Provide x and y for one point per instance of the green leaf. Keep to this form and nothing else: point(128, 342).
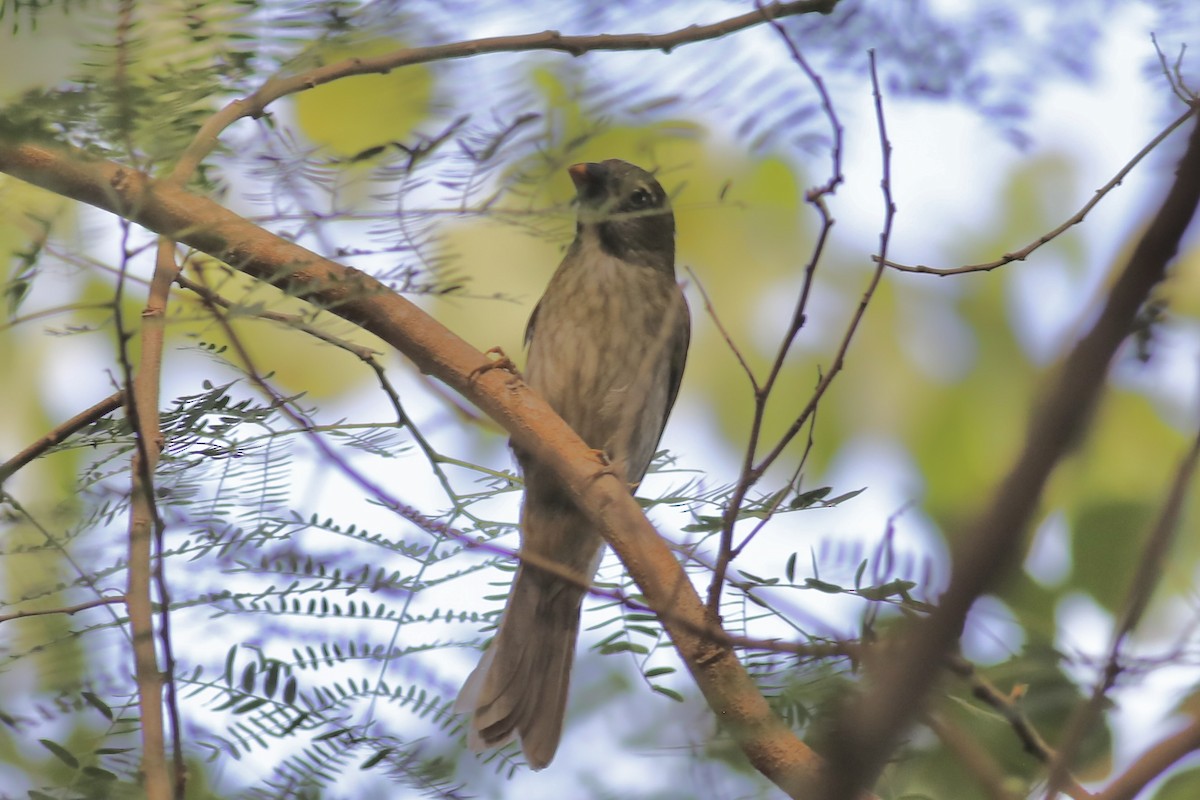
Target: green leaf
point(61, 753)
point(331, 734)
point(704, 524)
point(886, 590)
point(841, 498)
point(806, 499)
point(98, 704)
point(250, 705)
point(375, 759)
point(230, 657)
point(665, 692)
point(98, 774)
point(756, 579)
point(272, 681)
point(859, 573)
point(623, 647)
point(248, 675)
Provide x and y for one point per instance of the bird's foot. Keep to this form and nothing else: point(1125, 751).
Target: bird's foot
point(607, 467)
point(501, 361)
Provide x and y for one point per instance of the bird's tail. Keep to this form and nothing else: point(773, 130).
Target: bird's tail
point(520, 686)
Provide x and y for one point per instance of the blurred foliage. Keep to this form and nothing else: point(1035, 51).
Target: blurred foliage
point(329, 115)
point(303, 618)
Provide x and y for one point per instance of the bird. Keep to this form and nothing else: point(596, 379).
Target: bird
point(607, 343)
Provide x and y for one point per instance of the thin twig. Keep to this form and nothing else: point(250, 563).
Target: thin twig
point(712, 314)
point(793, 485)
point(839, 360)
point(1031, 740)
point(142, 406)
point(256, 104)
point(70, 610)
point(1173, 76)
point(751, 471)
point(1075, 219)
point(150, 370)
point(62, 432)
point(144, 523)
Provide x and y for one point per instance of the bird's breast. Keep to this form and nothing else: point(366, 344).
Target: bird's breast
point(599, 350)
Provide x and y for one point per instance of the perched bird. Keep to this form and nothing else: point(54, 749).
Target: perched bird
point(607, 344)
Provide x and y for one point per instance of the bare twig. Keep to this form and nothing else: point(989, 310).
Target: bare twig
point(142, 403)
point(61, 433)
point(1007, 707)
point(141, 393)
point(255, 105)
point(752, 468)
point(991, 547)
point(149, 371)
point(712, 313)
point(1075, 219)
point(1173, 75)
point(145, 525)
point(75, 609)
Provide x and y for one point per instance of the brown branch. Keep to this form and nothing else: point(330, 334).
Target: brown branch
point(1045, 238)
point(255, 105)
point(142, 391)
point(61, 433)
point(1003, 704)
point(71, 610)
point(990, 547)
point(1153, 763)
point(181, 216)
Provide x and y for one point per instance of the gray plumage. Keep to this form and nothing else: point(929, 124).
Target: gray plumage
point(607, 344)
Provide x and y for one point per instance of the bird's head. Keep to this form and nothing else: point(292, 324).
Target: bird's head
point(628, 210)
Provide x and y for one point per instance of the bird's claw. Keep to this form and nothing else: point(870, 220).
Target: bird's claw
point(606, 466)
point(501, 361)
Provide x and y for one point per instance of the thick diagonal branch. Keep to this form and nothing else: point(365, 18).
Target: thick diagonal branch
point(167, 210)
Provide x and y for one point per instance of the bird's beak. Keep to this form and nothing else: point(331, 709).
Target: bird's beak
point(589, 181)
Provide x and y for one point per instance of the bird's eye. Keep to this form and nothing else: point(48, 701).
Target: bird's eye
point(641, 197)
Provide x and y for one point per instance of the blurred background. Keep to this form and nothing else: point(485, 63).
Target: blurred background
point(295, 589)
